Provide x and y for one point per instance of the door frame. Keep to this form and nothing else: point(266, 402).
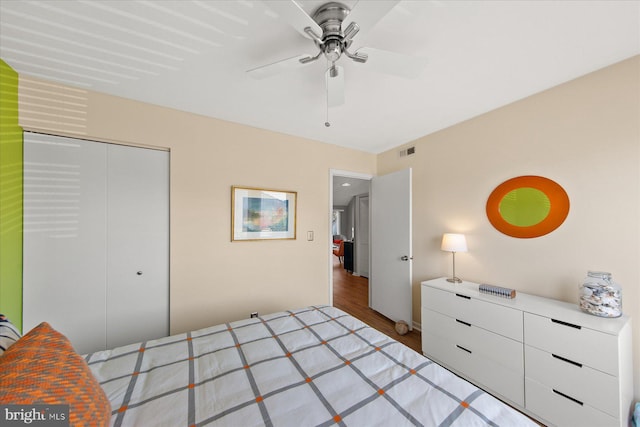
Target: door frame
point(347, 174)
point(360, 230)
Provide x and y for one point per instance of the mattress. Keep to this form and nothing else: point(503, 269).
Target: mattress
point(316, 366)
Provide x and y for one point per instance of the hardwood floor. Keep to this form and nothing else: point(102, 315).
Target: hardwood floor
point(351, 294)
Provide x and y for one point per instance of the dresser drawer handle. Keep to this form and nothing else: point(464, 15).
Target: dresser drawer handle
point(568, 397)
point(571, 325)
point(463, 322)
point(462, 348)
point(579, 365)
point(463, 296)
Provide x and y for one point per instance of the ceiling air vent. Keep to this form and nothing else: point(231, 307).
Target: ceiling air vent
point(407, 151)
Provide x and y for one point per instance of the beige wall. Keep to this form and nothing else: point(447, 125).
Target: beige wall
point(212, 279)
point(585, 136)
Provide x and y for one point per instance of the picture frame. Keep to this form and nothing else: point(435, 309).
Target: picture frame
point(262, 214)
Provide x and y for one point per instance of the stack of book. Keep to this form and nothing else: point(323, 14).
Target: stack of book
point(498, 291)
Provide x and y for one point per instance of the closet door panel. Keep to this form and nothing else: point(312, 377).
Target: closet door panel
point(138, 245)
point(64, 270)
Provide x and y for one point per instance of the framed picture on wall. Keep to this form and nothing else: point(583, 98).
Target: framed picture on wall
point(262, 214)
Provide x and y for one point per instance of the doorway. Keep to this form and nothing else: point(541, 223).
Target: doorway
point(348, 201)
point(352, 293)
point(389, 255)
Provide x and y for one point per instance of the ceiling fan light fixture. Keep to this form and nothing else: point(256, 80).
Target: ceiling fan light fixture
point(332, 50)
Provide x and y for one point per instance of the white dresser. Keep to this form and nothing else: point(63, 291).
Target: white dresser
point(545, 357)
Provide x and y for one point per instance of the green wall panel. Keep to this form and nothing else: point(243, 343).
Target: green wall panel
point(10, 197)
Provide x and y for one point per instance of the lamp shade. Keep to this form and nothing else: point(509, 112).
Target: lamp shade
point(454, 242)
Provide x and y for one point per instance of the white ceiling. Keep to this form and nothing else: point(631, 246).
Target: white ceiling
point(193, 56)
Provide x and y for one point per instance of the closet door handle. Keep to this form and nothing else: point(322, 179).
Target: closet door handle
point(139, 273)
point(463, 322)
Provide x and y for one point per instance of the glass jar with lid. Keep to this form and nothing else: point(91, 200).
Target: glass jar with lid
point(600, 295)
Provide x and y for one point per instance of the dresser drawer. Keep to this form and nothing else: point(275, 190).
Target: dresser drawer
point(586, 346)
point(486, 373)
point(502, 350)
point(560, 410)
point(585, 384)
point(493, 317)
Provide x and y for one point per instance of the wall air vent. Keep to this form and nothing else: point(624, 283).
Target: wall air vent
point(407, 151)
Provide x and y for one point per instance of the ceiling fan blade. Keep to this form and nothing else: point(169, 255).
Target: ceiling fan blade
point(335, 86)
point(367, 13)
point(397, 64)
point(278, 67)
point(295, 16)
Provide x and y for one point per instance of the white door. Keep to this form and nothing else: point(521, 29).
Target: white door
point(64, 273)
point(137, 245)
point(362, 236)
point(390, 278)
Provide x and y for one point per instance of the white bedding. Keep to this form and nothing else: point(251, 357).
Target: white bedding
point(307, 367)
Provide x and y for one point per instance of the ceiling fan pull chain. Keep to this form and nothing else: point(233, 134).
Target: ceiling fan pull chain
point(326, 89)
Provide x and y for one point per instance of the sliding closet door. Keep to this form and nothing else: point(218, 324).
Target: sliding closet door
point(96, 241)
point(137, 245)
point(64, 269)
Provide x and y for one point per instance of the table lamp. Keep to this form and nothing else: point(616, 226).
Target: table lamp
point(454, 243)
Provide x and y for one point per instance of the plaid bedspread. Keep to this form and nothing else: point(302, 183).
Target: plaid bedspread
point(315, 366)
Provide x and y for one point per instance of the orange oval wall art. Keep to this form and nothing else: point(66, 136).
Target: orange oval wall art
point(527, 206)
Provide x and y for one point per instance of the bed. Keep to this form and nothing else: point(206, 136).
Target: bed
point(315, 366)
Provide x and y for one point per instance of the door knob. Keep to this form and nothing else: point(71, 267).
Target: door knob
point(405, 258)
point(139, 273)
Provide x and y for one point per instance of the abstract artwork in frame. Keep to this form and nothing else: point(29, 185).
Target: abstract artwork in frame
point(262, 214)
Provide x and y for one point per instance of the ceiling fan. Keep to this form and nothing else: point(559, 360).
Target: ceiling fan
point(332, 28)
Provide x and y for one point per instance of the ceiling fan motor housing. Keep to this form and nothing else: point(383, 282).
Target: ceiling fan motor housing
point(330, 17)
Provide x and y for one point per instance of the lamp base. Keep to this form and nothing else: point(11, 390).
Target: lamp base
point(454, 280)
